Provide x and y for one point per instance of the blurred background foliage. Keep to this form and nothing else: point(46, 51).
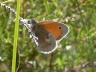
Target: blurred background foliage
point(76, 53)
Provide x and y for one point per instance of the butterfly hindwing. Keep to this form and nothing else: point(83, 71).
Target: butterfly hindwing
point(46, 41)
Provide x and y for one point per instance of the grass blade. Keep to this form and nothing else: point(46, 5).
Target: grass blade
point(15, 37)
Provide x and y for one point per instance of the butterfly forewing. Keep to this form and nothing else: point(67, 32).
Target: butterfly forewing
point(58, 30)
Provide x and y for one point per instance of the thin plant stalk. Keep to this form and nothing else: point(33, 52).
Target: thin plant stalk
point(15, 37)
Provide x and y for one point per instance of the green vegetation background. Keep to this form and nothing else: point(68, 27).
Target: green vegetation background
point(76, 53)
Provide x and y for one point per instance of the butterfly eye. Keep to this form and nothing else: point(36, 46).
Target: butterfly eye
point(29, 22)
point(60, 27)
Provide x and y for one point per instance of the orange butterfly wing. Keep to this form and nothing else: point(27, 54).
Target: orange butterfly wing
point(58, 30)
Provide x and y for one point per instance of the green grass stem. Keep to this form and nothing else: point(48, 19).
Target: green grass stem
point(15, 37)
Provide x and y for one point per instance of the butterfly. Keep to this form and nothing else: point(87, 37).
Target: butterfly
point(47, 34)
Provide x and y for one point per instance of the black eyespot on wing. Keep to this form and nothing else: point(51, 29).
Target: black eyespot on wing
point(60, 27)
